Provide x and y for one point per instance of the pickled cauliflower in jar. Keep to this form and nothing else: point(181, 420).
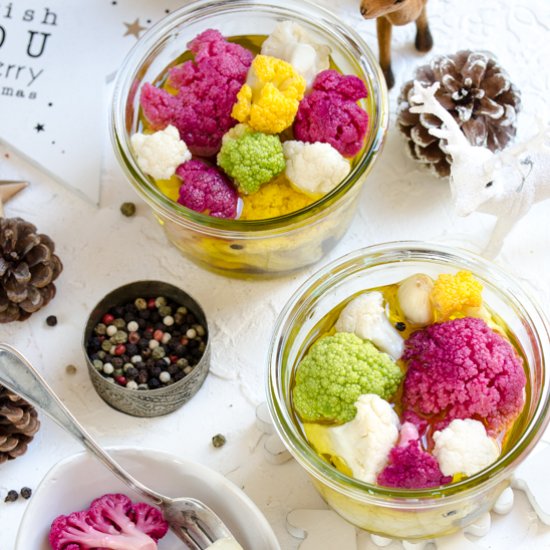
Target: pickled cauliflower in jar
point(251, 127)
point(412, 385)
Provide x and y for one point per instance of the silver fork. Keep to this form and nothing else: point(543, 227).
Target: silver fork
point(191, 521)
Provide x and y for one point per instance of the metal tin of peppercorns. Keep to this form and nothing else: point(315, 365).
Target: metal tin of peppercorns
point(155, 377)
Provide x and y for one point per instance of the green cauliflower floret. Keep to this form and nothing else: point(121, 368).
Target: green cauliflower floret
point(336, 371)
point(250, 158)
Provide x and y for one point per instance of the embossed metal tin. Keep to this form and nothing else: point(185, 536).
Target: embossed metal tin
point(159, 401)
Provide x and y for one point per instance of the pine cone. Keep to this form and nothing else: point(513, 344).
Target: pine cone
point(18, 424)
point(479, 95)
point(28, 268)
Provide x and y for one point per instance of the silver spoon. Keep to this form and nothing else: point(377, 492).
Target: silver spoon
point(190, 520)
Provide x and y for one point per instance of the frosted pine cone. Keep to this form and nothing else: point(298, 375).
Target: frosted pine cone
point(479, 95)
point(18, 425)
point(28, 267)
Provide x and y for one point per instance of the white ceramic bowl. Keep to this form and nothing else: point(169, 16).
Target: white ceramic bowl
point(74, 482)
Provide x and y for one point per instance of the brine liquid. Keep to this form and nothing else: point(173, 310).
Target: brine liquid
point(325, 327)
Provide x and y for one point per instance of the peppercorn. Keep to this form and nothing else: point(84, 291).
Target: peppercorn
point(12, 496)
point(128, 209)
point(26, 492)
point(131, 373)
point(141, 342)
point(120, 349)
point(400, 326)
point(118, 311)
point(100, 329)
point(140, 304)
point(218, 440)
point(155, 372)
point(142, 377)
point(160, 302)
point(70, 369)
point(51, 320)
point(108, 319)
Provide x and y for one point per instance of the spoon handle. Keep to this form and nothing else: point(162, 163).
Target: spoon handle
point(19, 376)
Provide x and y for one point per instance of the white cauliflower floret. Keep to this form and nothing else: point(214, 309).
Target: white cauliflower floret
point(291, 43)
point(365, 442)
point(365, 317)
point(464, 447)
point(160, 153)
point(314, 168)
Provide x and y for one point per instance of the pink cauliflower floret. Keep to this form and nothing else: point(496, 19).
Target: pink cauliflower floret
point(205, 189)
point(112, 522)
point(462, 369)
point(409, 466)
point(331, 115)
point(207, 89)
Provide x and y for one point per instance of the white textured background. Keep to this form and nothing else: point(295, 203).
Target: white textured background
point(101, 250)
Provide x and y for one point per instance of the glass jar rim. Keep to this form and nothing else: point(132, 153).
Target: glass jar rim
point(403, 251)
point(156, 34)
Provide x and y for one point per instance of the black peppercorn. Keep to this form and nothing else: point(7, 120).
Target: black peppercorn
point(12, 496)
point(154, 383)
point(51, 320)
point(400, 326)
point(26, 492)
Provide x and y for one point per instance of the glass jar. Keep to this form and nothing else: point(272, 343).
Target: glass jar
point(402, 513)
point(252, 247)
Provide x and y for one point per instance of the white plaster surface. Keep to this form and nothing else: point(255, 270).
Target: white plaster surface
point(101, 250)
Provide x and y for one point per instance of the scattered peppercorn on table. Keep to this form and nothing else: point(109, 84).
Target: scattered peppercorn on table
point(103, 248)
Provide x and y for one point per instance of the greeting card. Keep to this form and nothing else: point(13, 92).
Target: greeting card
point(55, 57)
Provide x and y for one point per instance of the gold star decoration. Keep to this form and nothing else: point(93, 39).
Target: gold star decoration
point(134, 28)
point(7, 190)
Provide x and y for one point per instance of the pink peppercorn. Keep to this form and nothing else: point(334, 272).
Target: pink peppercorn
point(107, 319)
point(133, 337)
point(120, 349)
point(151, 303)
point(158, 334)
point(121, 380)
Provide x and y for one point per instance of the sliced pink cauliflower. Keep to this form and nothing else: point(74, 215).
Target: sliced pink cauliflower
point(330, 113)
point(462, 369)
point(205, 189)
point(112, 522)
point(409, 466)
point(207, 89)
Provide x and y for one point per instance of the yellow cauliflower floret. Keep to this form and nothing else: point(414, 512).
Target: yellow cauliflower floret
point(273, 199)
point(269, 99)
point(453, 294)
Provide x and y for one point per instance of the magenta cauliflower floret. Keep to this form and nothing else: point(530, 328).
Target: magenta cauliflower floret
point(205, 189)
point(410, 466)
point(112, 522)
point(462, 369)
point(330, 113)
point(207, 89)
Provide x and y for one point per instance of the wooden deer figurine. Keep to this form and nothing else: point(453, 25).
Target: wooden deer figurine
point(397, 12)
point(504, 184)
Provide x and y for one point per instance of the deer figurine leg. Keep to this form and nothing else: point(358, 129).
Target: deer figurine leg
point(423, 41)
point(383, 30)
